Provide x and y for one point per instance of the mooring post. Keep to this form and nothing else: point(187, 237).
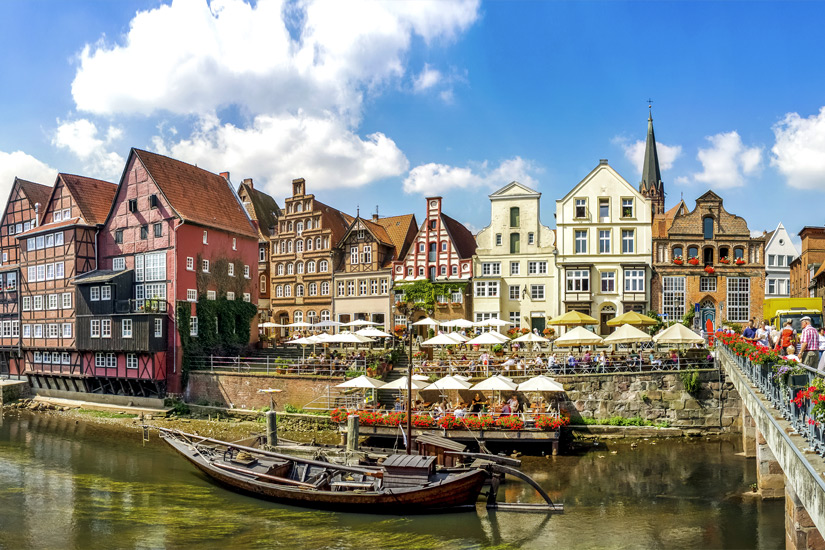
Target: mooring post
point(353, 422)
point(272, 428)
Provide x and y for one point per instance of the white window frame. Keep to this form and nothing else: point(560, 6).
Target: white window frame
point(94, 294)
point(105, 292)
point(608, 277)
point(126, 328)
point(673, 297)
point(105, 328)
point(190, 263)
point(634, 280)
point(158, 327)
point(191, 295)
point(537, 293)
point(738, 299)
point(94, 328)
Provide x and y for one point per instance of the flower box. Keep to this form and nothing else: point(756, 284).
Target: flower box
point(724, 260)
point(740, 261)
point(693, 261)
point(678, 262)
point(709, 270)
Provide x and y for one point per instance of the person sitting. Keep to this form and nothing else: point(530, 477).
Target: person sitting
point(459, 411)
point(505, 410)
point(674, 357)
point(656, 363)
point(587, 358)
point(552, 362)
point(538, 362)
point(515, 406)
point(571, 361)
point(398, 406)
point(509, 363)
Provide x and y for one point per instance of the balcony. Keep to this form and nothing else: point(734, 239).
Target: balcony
point(141, 306)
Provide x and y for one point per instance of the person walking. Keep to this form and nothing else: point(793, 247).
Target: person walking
point(809, 341)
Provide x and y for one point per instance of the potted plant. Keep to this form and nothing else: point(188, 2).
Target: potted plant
point(724, 260)
point(693, 260)
point(709, 270)
point(498, 349)
point(678, 260)
point(740, 261)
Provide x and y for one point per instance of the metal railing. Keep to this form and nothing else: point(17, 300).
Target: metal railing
point(781, 397)
point(273, 365)
point(141, 306)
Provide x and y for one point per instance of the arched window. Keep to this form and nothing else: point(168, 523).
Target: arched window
point(324, 315)
point(299, 290)
point(299, 227)
point(299, 267)
point(455, 270)
point(263, 283)
point(515, 243)
point(323, 266)
point(707, 227)
point(693, 252)
point(443, 269)
point(289, 269)
point(677, 252)
point(298, 316)
point(724, 252)
point(409, 271)
point(433, 252)
point(707, 255)
point(738, 253)
point(279, 291)
point(299, 245)
point(289, 246)
point(310, 264)
point(313, 289)
point(514, 216)
point(312, 317)
point(299, 207)
point(287, 290)
point(280, 269)
point(325, 289)
point(283, 247)
point(309, 244)
point(318, 243)
point(309, 224)
point(420, 271)
point(290, 226)
point(326, 242)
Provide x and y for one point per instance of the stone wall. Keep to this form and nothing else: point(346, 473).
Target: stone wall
point(654, 396)
point(240, 390)
point(12, 390)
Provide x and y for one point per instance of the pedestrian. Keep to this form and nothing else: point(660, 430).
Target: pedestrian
point(809, 340)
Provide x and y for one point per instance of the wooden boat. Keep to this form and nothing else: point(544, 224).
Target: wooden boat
point(403, 484)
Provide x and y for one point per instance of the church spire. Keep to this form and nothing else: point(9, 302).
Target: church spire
point(651, 185)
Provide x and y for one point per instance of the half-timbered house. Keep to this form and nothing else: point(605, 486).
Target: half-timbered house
point(264, 211)
point(24, 204)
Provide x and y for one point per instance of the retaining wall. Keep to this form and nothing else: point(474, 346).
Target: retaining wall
point(240, 390)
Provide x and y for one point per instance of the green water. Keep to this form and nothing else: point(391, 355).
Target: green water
point(67, 484)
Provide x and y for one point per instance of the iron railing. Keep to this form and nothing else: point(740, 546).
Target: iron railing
point(273, 365)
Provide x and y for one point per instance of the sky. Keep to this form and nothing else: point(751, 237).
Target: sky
point(383, 104)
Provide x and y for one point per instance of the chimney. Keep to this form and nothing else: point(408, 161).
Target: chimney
point(247, 181)
point(225, 175)
point(36, 213)
point(602, 161)
point(375, 217)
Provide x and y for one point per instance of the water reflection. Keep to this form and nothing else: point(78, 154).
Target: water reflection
point(66, 483)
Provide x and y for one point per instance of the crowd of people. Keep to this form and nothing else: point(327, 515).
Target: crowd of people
point(805, 346)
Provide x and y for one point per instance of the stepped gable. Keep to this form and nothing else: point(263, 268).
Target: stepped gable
point(690, 223)
point(197, 195)
point(92, 196)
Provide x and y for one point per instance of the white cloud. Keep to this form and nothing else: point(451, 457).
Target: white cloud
point(426, 79)
point(81, 138)
point(635, 153)
point(274, 150)
point(191, 56)
point(727, 161)
point(24, 166)
point(437, 179)
point(799, 150)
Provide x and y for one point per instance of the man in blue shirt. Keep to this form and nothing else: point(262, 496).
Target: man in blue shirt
point(749, 333)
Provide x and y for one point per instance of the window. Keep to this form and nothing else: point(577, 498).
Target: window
point(578, 280)
point(299, 290)
point(581, 242)
point(231, 295)
point(341, 288)
point(94, 294)
point(131, 361)
point(38, 303)
point(49, 241)
point(144, 232)
point(299, 245)
point(41, 242)
point(51, 301)
point(38, 331)
point(205, 266)
point(604, 209)
point(362, 287)
point(374, 287)
point(771, 259)
point(262, 254)
point(514, 268)
point(205, 237)
point(67, 330)
point(627, 208)
point(312, 289)
point(231, 269)
point(581, 208)
point(49, 272)
point(537, 268)
point(537, 292)
point(443, 246)
point(323, 266)
point(432, 224)
point(311, 267)
point(325, 315)
point(58, 239)
point(367, 254)
point(486, 289)
point(234, 243)
point(211, 295)
point(41, 272)
point(790, 259)
point(30, 245)
point(27, 331)
point(780, 261)
point(246, 272)
point(350, 288)
point(515, 244)
point(634, 280)
point(498, 239)
point(106, 328)
point(673, 298)
point(739, 254)
point(514, 292)
point(280, 269)
point(126, 327)
point(604, 241)
point(158, 328)
point(385, 286)
point(693, 252)
point(100, 359)
point(628, 239)
point(27, 303)
point(708, 284)
point(59, 272)
point(118, 236)
point(531, 238)
point(514, 216)
point(105, 293)
point(608, 281)
point(191, 295)
point(53, 330)
point(738, 305)
point(677, 252)
point(193, 326)
point(119, 264)
point(65, 358)
point(158, 229)
point(707, 227)
point(95, 328)
point(154, 265)
point(491, 268)
point(325, 289)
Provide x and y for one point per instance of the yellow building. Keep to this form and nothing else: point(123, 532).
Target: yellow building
point(514, 266)
point(603, 236)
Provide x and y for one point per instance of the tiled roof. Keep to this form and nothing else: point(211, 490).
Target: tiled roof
point(401, 231)
point(196, 195)
point(50, 226)
point(334, 220)
point(36, 193)
point(463, 240)
point(264, 208)
point(662, 223)
point(93, 197)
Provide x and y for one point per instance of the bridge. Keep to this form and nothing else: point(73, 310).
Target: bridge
point(786, 444)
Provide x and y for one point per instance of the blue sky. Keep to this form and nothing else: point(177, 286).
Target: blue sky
point(381, 104)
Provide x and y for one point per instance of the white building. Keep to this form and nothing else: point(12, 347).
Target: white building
point(779, 253)
point(603, 237)
point(514, 265)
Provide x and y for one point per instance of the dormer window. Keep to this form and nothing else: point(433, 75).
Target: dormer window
point(153, 201)
point(581, 208)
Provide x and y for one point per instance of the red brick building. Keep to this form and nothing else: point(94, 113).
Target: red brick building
point(806, 270)
point(707, 257)
point(25, 203)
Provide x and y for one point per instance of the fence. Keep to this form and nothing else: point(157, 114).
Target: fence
point(274, 365)
point(781, 397)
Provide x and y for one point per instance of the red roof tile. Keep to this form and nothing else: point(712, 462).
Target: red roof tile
point(401, 231)
point(36, 192)
point(196, 195)
point(50, 226)
point(463, 240)
point(93, 197)
point(333, 219)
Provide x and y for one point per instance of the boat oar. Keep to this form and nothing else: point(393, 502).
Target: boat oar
point(276, 479)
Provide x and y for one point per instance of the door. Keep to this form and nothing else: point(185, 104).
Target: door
point(604, 329)
point(709, 316)
point(537, 323)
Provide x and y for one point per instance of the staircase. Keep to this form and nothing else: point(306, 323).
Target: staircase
point(387, 397)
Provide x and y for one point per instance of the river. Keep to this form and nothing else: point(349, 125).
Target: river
point(73, 484)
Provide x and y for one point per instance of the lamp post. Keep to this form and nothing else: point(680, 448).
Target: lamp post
point(407, 311)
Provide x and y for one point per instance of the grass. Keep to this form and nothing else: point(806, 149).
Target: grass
point(106, 414)
point(622, 421)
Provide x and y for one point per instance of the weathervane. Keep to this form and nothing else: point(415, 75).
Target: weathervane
point(649, 103)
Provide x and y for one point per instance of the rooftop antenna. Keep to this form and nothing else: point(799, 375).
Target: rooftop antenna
point(376, 210)
point(358, 211)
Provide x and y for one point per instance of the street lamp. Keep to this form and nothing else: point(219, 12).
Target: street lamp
point(408, 311)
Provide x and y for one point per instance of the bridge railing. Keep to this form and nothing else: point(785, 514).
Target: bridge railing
point(781, 397)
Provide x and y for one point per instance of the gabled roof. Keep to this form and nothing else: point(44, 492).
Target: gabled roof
point(92, 196)
point(709, 196)
point(463, 240)
point(603, 165)
point(662, 222)
point(505, 192)
point(401, 231)
point(196, 195)
point(264, 208)
point(333, 219)
point(36, 192)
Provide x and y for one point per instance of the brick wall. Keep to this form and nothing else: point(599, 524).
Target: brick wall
point(241, 390)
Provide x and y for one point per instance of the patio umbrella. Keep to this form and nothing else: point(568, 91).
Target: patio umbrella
point(531, 337)
point(579, 336)
point(299, 324)
point(573, 318)
point(302, 341)
point(364, 382)
point(496, 383)
point(401, 384)
point(327, 324)
point(372, 332)
point(440, 340)
point(631, 318)
point(460, 323)
point(487, 338)
point(458, 337)
point(349, 338)
point(540, 383)
point(492, 322)
point(426, 321)
point(627, 334)
point(449, 383)
point(269, 324)
point(359, 323)
point(678, 334)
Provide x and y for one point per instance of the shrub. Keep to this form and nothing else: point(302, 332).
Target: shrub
point(551, 422)
point(510, 423)
point(423, 421)
point(450, 422)
point(479, 422)
point(690, 380)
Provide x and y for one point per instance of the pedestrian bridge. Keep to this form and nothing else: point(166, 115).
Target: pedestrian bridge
point(788, 449)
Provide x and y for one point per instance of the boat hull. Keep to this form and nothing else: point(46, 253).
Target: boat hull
point(453, 494)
